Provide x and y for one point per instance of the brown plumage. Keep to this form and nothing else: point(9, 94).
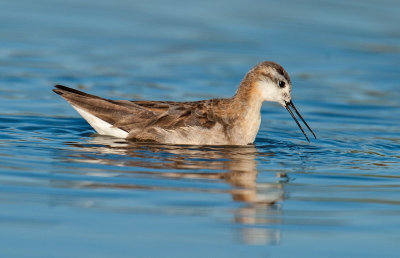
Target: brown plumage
point(232, 121)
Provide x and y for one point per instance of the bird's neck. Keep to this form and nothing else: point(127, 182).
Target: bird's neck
point(247, 102)
point(248, 98)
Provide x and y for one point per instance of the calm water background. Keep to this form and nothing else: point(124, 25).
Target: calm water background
point(66, 191)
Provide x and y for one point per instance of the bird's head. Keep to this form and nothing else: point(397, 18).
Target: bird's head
point(270, 82)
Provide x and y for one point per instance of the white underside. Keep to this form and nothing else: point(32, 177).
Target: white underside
point(101, 126)
point(194, 135)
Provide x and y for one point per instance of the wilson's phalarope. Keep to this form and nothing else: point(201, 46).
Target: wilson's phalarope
point(231, 121)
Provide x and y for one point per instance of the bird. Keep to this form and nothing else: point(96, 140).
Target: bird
point(221, 121)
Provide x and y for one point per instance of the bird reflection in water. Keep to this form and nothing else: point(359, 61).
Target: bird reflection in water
point(236, 166)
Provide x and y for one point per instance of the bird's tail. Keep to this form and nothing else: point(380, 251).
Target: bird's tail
point(102, 114)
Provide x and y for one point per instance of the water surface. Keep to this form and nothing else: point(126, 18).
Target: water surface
point(66, 191)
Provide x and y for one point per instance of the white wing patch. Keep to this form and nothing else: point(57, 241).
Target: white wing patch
point(101, 126)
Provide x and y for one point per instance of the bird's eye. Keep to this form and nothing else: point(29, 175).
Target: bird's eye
point(281, 84)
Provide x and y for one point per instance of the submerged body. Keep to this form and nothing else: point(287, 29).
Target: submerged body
point(230, 121)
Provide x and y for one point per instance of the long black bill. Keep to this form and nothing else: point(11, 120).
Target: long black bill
point(291, 105)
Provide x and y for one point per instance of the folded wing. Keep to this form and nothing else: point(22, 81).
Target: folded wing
point(141, 120)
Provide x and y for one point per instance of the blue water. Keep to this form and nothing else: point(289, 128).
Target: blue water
point(68, 192)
